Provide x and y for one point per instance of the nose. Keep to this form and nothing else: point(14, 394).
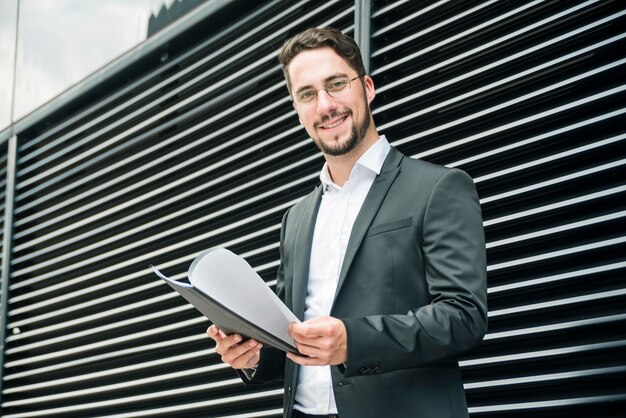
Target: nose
point(325, 103)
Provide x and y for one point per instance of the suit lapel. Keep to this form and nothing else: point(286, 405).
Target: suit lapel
point(302, 249)
point(371, 205)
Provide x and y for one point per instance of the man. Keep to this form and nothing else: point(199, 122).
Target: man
point(384, 261)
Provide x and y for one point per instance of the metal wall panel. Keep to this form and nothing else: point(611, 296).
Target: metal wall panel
point(204, 149)
point(6, 175)
point(528, 98)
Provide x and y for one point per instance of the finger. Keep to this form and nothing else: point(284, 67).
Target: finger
point(214, 333)
point(251, 358)
point(305, 361)
point(305, 349)
point(301, 332)
point(239, 355)
point(308, 341)
point(312, 329)
point(308, 351)
point(322, 342)
point(227, 342)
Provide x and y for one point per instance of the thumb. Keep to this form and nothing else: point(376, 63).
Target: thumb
point(215, 333)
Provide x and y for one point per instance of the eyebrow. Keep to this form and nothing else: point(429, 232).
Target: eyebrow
point(326, 81)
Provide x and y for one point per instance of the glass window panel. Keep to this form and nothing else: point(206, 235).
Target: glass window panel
point(61, 42)
point(8, 21)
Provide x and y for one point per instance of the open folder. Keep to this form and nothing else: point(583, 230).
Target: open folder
point(226, 290)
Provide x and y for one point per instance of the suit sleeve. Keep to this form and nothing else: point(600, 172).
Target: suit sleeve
point(455, 321)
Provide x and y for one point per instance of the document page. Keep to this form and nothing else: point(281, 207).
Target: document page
point(229, 279)
point(226, 289)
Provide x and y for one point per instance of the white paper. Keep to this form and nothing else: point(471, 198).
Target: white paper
point(230, 280)
point(232, 295)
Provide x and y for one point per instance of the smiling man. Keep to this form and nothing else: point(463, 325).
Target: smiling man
point(384, 261)
point(339, 122)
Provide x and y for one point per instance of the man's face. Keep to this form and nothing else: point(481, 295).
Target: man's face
point(337, 125)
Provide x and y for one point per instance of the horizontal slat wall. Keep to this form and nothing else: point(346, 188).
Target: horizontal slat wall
point(205, 150)
point(4, 279)
point(529, 98)
point(3, 185)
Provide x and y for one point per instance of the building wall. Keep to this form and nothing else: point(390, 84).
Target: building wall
point(202, 148)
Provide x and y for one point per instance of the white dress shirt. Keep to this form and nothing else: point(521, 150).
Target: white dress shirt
point(337, 213)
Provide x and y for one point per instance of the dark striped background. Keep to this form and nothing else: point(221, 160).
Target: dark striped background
point(200, 147)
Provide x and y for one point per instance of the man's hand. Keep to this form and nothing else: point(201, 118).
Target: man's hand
point(240, 355)
point(322, 339)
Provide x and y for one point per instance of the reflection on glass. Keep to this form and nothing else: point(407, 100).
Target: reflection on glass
point(63, 41)
point(8, 20)
point(169, 13)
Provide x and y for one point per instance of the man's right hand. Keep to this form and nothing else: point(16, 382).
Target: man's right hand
point(240, 355)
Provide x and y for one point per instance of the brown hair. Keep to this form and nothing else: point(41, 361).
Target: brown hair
point(315, 38)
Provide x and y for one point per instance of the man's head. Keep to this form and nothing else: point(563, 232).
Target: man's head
point(314, 38)
point(331, 92)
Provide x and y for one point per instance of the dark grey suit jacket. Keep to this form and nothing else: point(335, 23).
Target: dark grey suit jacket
point(412, 293)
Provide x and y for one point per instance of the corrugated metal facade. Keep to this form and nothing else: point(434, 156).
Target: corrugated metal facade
point(204, 149)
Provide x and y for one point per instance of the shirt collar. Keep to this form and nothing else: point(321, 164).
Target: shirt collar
point(372, 159)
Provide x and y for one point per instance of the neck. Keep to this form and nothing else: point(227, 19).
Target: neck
point(340, 167)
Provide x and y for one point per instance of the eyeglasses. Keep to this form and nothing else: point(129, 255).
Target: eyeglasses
point(336, 88)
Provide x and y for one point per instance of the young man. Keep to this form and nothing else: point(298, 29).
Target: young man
point(384, 261)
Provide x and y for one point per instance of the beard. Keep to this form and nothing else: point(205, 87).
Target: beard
point(357, 134)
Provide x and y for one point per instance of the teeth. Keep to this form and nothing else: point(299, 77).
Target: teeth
point(334, 124)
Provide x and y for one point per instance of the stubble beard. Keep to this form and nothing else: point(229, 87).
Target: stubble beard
point(357, 134)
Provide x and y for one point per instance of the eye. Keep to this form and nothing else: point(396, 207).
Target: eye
point(306, 95)
point(338, 85)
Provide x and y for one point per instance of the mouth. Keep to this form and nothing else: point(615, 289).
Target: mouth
point(334, 122)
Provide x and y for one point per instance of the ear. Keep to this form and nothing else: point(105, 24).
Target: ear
point(370, 91)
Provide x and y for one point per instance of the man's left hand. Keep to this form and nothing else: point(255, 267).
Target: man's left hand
point(322, 341)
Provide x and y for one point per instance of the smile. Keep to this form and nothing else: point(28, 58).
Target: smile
point(335, 123)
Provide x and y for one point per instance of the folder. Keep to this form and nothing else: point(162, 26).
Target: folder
point(227, 290)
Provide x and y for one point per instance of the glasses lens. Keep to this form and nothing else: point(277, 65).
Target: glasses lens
point(338, 86)
point(335, 89)
point(306, 96)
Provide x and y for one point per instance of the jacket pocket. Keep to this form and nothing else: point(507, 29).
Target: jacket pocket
point(389, 226)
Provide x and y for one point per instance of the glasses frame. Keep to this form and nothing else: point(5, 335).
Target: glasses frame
point(305, 104)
